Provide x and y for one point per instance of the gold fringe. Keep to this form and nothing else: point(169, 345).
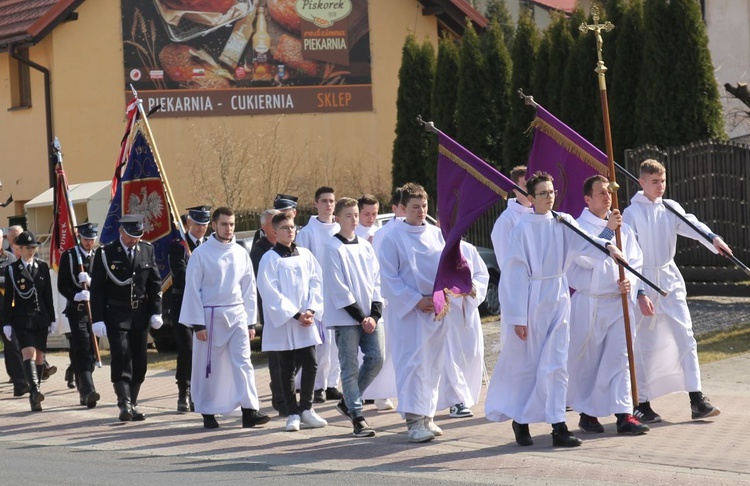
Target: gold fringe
point(471, 170)
point(449, 293)
point(569, 145)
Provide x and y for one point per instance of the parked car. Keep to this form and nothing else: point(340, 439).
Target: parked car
point(491, 304)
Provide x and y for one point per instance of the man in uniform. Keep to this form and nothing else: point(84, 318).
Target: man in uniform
point(11, 353)
point(125, 298)
point(73, 282)
point(197, 224)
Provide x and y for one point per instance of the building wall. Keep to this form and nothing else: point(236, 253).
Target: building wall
point(729, 41)
point(88, 97)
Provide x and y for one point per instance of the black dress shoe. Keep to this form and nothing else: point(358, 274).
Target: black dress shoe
point(251, 418)
point(91, 399)
point(137, 416)
point(523, 437)
point(209, 422)
point(125, 414)
point(70, 377)
point(318, 396)
point(562, 437)
point(333, 394)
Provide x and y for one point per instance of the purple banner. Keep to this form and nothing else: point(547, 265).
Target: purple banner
point(568, 157)
point(466, 187)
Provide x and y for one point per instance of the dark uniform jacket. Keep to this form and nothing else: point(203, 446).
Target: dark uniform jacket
point(124, 294)
point(178, 261)
point(67, 278)
point(28, 302)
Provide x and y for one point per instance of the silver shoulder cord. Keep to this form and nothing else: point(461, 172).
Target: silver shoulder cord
point(23, 295)
point(111, 276)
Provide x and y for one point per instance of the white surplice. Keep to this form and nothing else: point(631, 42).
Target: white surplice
point(504, 225)
point(220, 295)
point(367, 233)
point(314, 236)
point(665, 349)
point(530, 380)
point(289, 285)
point(599, 376)
point(462, 371)
point(409, 257)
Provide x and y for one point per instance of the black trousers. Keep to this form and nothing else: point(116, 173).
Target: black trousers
point(82, 355)
point(127, 331)
point(277, 390)
point(13, 360)
point(289, 361)
point(183, 337)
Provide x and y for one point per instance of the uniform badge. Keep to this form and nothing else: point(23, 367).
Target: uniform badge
point(112, 267)
point(23, 280)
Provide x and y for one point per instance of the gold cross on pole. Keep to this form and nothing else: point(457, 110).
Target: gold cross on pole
point(597, 28)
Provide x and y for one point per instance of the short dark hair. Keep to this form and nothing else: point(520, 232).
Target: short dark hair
point(365, 200)
point(280, 218)
point(323, 190)
point(396, 197)
point(222, 211)
point(343, 203)
point(536, 179)
point(588, 184)
point(517, 172)
point(412, 190)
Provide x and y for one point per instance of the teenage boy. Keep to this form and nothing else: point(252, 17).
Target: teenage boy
point(368, 214)
point(530, 380)
point(666, 351)
point(219, 304)
point(289, 281)
point(599, 377)
point(353, 307)
point(314, 237)
point(516, 207)
point(409, 257)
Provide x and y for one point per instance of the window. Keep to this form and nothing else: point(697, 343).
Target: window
point(20, 81)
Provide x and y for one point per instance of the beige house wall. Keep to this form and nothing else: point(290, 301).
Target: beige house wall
point(351, 151)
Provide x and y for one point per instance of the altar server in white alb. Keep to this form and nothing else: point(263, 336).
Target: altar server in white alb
point(368, 217)
point(353, 307)
point(517, 207)
point(599, 375)
point(461, 382)
point(530, 380)
point(219, 303)
point(314, 236)
point(409, 257)
point(290, 284)
point(665, 349)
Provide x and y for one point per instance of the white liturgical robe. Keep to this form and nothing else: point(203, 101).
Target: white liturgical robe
point(530, 380)
point(665, 349)
point(220, 295)
point(504, 226)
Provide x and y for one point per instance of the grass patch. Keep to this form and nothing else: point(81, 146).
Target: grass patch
point(718, 345)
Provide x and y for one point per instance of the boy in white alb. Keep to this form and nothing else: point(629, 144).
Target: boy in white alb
point(599, 375)
point(314, 236)
point(353, 307)
point(368, 215)
point(530, 380)
point(665, 349)
point(289, 282)
point(517, 207)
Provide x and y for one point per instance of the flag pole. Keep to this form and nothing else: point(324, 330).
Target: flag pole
point(171, 200)
point(601, 70)
point(71, 211)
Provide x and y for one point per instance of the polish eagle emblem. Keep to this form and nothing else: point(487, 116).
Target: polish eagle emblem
point(148, 204)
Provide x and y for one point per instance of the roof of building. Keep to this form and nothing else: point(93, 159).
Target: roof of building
point(26, 22)
point(562, 5)
point(453, 14)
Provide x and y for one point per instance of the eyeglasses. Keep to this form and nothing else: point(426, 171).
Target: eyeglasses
point(546, 194)
point(286, 228)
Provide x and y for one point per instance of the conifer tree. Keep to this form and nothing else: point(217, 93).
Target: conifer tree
point(445, 90)
point(472, 107)
point(498, 63)
point(541, 70)
point(517, 143)
point(498, 10)
point(561, 43)
point(412, 145)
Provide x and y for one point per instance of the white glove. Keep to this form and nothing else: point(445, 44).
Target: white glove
point(99, 329)
point(53, 328)
point(8, 331)
point(156, 321)
point(82, 296)
point(83, 277)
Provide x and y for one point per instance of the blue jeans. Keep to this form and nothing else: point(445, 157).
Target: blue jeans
point(356, 379)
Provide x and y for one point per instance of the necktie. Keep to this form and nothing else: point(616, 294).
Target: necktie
point(197, 243)
point(130, 254)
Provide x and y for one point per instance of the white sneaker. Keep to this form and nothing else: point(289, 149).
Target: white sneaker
point(430, 425)
point(418, 433)
point(384, 404)
point(292, 423)
point(460, 410)
point(312, 419)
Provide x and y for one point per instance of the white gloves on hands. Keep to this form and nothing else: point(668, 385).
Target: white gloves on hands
point(82, 296)
point(8, 331)
point(53, 328)
point(156, 321)
point(84, 277)
point(99, 329)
